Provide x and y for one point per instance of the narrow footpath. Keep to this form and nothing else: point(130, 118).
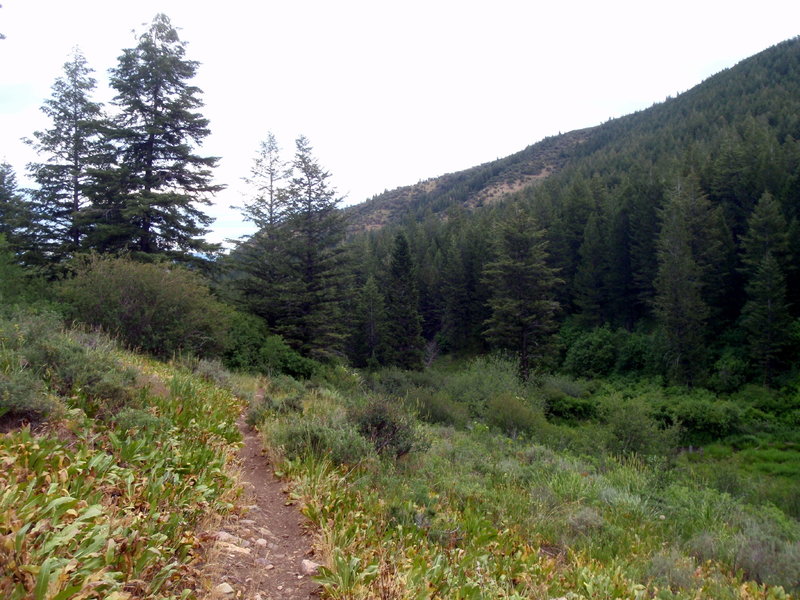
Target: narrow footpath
point(265, 554)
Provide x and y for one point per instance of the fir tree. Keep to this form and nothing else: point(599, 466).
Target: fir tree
point(523, 289)
point(767, 233)
point(74, 148)
point(16, 216)
point(369, 325)
point(679, 284)
point(260, 257)
point(148, 204)
point(404, 345)
point(591, 278)
point(311, 293)
point(765, 316)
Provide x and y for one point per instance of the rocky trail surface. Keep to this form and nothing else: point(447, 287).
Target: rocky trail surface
point(264, 554)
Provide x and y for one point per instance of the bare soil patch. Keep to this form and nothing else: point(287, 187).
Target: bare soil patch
point(259, 554)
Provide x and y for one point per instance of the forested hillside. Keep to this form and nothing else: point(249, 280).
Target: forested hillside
point(678, 220)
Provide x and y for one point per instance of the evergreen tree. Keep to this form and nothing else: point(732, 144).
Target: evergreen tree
point(404, 345)
point(310, 295)
point(368, 328)
point(74, 148)
point(16, 216)
point(260, 258)
point(767, 233)
point(268, 205)
point(765, 316)
point(591, 277)
point(148, 204)
point(523, 289)
point(679, 284)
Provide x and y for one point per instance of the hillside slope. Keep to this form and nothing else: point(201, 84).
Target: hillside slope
point(765, 86)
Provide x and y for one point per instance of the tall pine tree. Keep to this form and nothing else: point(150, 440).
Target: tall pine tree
point(523, 288)
point(73, 148)
point(765, 317)
point(311, 293)
point(148, 204)
point(16, 217)
point(404, 342)
point(260, 257)
point(685, 258)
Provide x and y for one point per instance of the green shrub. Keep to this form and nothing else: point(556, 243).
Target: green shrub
point(390, 429)
point(566, 398)
point(439, 407)
point(729, 373)
point(635, 430)
point(162, 309)
point(592, 354)
point(513, 416)
point(23, 396)
point(641, 353)
point(134, 421)
point(251, 347)
point(702, 416)
point(275, 356)
point(476, 385)
point(338, 441)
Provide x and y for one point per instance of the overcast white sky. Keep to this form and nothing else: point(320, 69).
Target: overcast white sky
point(390, 93)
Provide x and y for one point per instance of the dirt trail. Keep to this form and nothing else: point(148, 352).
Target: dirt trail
point(259, 556)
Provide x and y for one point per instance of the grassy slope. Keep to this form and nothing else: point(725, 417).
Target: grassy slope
point(103, 501)
point(475, 514)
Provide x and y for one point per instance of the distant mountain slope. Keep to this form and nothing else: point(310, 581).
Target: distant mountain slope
point(471, 188)
point(764, 88)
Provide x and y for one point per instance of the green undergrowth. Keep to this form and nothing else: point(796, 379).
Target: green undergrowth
point(473, 509)
point(123, 456)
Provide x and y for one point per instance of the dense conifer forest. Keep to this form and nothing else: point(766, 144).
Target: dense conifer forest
point(546, 340)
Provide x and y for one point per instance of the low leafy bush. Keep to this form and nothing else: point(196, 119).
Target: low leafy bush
point(634, 428)
point(340, 442)
point(386, 425)
point(640, 353)
point(483, 378)
point(162, 309)
point(592, 354)
point(439, 407)
point(729, 373)
point(566, 398)
point(251, 347)
point(512, 415)
point(702, 415)
point(23, 396)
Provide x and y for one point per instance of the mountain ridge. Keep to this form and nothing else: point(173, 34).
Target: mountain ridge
point(665, 128)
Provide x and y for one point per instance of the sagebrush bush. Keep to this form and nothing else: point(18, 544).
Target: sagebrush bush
point(162, 309)
point(23, 396)
point(340, 442)
point(512, 415)
point(386, 425)
point(634, 429)
point(135, 421)
point(77, 366)
point(439, 407)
